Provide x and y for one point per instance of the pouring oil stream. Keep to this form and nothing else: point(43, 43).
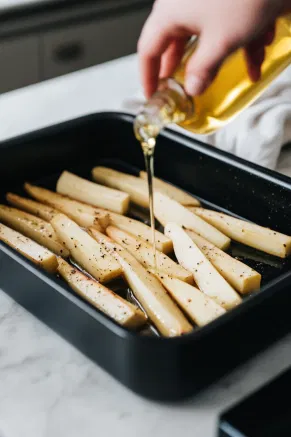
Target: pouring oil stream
point(148, 148)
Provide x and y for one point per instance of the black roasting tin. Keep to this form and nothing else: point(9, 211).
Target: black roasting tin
point(162, 369)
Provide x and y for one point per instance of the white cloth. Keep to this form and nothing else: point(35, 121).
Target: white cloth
point(259, 132)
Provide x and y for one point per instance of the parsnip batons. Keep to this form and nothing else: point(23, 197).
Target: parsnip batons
point(136, 187)
point(144, 253)
point(205, 275)
point(250, 234)
point(172, 191)
point(33, 227)
point(158, 305)
point(101, 297)
point(84, 215)
point(242, 277)
point(90, 255)
point(141, 230)
point(89, 192)
point(168, 210)
point(200, 308)
point(40, 256)
point(45, 212)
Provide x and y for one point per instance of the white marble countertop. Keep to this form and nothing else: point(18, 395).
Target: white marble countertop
point(48, 389)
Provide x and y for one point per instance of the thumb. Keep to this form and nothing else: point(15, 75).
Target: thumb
point(203, 65)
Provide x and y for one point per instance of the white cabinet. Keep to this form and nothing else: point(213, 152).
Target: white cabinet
point(63, 42)
point(79, 46)
point(19, 62)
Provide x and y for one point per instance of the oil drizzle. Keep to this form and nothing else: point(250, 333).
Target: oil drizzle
point(148, 148)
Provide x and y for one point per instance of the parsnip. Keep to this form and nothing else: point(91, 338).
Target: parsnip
point(242, 277)
point(168, 210)
point(133, 185)
point(200, 308)
point(89, 192)
point(33, 227)
point(40, 256)
point(144, 253)
point(90, 255)
point(205, 275)
point(250, 234)
point(84, 215)
point(36, 208)
point(141, 230)
point(158, 305)
point(105, 300)
point(172, 191)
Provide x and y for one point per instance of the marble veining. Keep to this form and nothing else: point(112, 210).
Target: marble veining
point(49, 389)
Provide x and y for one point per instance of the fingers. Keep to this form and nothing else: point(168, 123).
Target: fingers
point(202, 67)
point(152, 44)
point(206, 61)
point(254, 60)
point(269, 35)
point(255, 53)
point(162, 41)
point(172, 57)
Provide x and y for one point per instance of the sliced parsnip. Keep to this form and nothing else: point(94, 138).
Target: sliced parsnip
point(250, 234)
point(198, 306)
point(90, 255)
point(158, 305)
point(168, 210)
point(141, 230)
point(242, 277)
point(40, 256)
point(33, 227)
point(144, 253)
point(45, 212)
point(84, 215)
point(136, 187)
point(89, 192)
point(205, 275)
point(105, 300)
point(172, 191)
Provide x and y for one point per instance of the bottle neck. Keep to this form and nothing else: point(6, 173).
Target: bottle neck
point(170, 104)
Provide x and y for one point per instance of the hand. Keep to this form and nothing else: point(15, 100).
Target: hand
point(222, 26)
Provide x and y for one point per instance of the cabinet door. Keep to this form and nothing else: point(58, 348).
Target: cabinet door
point(19, 61)
point(76, 47)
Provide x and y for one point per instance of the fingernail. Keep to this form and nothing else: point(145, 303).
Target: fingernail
point(194, 85)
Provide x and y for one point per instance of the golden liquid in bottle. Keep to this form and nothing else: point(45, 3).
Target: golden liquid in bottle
point(232, 90)
point(229, 94)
